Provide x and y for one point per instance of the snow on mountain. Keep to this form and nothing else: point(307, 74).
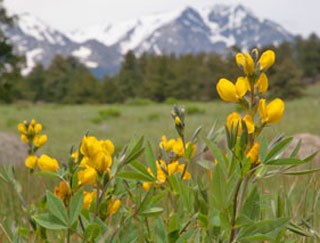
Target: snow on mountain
point(187, 30)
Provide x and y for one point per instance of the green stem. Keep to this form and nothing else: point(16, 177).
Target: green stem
point(235, 211)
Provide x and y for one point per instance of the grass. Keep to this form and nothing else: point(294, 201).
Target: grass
point(66, 124)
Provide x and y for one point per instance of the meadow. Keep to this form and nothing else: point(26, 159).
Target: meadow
point(66, 124)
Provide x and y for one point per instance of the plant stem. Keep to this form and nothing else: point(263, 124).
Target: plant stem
point(235, 210)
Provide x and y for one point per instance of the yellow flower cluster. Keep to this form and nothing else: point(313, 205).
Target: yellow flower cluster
point(176, 147)
point(30, 134)
point(248, 91)
point(254, 83)
point(96, 159)
point(166, 169)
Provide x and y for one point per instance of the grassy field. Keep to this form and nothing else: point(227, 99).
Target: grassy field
point(66, 124)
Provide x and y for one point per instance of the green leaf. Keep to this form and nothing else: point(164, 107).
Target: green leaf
point(56, 207)
point(310, 157)
point(141, 169)
point(134, 150)
point(268, 228)
point(257, 237)
point(206, 164)
point(286, 161)
point(92, 231)
point(49, 221)
point(136, 176)
point(152, 212)
point(263, 151)
point(301, 172)
point(187, 196)
point(146, 200)
point(277, 149)
point(47, 174)
point(251, 206)
point(75, 206)
point(296, 149)
point(219, 186)
point(151, 159)
point(298, 230)
point(217, 153)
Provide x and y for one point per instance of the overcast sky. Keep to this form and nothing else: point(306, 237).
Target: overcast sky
point(297, 16)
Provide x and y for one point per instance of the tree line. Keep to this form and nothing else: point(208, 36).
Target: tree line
point(158, 78)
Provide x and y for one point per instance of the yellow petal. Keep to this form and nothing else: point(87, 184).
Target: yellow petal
point(262, 109)
point(262, 83)
point(249, 123)
point(241, 86)
point(240, 60)
point(275, 110)
point(113, 207)
point(227, 90)
point(87, 176)
point(233, 120)
point(31, 161)
point(249, 67)
point(22, 128)
point(39, 141)
point(46, 163)
point(173, 167)
point(253, 153)
point(266, 60)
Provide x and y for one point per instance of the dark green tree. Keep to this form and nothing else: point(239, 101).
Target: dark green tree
point(9, 62)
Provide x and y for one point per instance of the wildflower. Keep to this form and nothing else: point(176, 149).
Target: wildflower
point(90, 146)
point(46, 163)
point(266, 60)
point(253, 153)
point(40, 140)
point(24, 138)
point(87, 176)
point(31, 161)
point(62, 191)
point(107, 146)
point(235, 119)
point(165, 144)
point(113, 206)
point(262, 83)
point(272, 112)
point(230, 92)
point(22, 128)
point(245, 62)
point(88, 199)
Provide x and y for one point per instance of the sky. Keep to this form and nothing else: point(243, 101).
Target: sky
point(298, 16)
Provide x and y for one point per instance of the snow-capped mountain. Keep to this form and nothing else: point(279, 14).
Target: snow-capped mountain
point(188, 30)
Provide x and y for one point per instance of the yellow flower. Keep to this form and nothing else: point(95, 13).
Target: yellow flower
point(22, 128)
point(46, 163)
point(62, 191)
point(178, 148)
point(37, 128)
point(88, 198)
point(24, 138)
point(101, 162)
point(31, 161)
point(107, 146)
point(87, 176)
point(75, 156)
point(173, 167)
point(113, 206)
point(40, 140)
point(146, 185)
point(161, 176)
point(90, 146)
point(193, 148)
point(266, 60)
point(230, 92)
point(165, 144)
point(245, 62)
point(272, 112)
point(177, 121)
point(187, 175)
point(253, 153)
point(235, 119)
point(262, 83)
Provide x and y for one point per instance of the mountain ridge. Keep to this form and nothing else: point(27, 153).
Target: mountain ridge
point(187, 30)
